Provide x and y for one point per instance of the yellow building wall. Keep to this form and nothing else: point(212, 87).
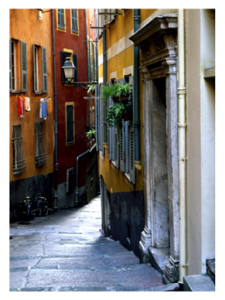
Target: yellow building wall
point(26, 26)
point(114, 179)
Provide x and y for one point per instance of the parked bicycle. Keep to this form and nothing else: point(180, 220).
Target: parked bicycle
point(25, 206)
point(42, 206)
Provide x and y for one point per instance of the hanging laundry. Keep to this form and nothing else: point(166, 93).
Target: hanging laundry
point(27, 104)
point(21, 107)
point(49, 106)
point(43, 108)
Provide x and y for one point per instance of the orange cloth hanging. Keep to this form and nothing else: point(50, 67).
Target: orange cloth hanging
point(49, 106)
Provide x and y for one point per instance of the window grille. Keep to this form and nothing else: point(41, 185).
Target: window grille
point(40, 150)
point(19, 161)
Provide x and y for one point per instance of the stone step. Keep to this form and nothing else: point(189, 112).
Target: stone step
point(211, 269)
point(198, 283)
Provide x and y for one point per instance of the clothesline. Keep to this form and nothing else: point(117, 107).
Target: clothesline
point(34, 98)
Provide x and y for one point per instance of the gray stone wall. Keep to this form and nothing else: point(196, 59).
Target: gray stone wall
point(40, 185)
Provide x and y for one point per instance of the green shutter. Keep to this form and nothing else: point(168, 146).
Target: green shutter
point(63, 58)
point(23, 56)
point(34, 68)
point(44, 70)
point(70, 124)
point(122, 147)
point(126, 144)
point(117, 146)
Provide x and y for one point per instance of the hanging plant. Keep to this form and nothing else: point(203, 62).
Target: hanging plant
point(118, 92)
point(117, 112)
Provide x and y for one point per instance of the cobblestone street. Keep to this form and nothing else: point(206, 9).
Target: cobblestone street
point(66, 251)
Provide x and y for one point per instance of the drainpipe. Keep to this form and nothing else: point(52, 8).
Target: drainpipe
point(181, 145)
point(56, 119)
point(104, 83)
point(137, 159)
point(76, 193)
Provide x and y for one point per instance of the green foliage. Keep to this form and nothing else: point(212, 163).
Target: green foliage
point(115, 113)
point(89, 134)
point(116, 90)
point(91, 88)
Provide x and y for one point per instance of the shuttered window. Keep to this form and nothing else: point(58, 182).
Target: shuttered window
point(70, 126)
point(44, 70)
point(61, 18)
point(36, 69)
point(23, 56)
point(19, 161)
point(40, 149)
point(12, 65)
point(74, 16)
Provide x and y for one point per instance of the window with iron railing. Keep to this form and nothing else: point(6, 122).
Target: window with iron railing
point(40, 149)
point(19, 161)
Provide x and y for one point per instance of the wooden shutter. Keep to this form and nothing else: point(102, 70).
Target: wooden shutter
point(63, 58)
point(131, 156)
point(10, 64)
point(108, 128)
point(75, 64)
point(96, 117)
point(70, 124)
point(61, 21)
point(34, 68)
point(116, 146)
point(126, 146)
point(19, 160)
point(112, 133)
point(105, 17)
point(23, 56)
point(122, 147)
point(74, 21)
point(91, 60)
point(44, 70)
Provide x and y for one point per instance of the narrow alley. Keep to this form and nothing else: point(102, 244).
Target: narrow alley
point(66, 251)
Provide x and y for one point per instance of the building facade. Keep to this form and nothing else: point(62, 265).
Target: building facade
point(75, 112)
point(31, 133)
point(158, 171)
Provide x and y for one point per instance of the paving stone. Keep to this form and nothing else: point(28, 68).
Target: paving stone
point(67, 252)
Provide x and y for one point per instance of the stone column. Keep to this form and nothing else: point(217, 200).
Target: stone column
point(172, 268)
point(146, 235)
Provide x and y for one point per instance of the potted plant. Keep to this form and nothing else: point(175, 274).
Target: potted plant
point(110, 90)
point(124, 92)
point(118, 112)
point(91, 133)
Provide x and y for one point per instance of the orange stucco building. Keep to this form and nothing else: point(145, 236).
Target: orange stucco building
point(31, 142)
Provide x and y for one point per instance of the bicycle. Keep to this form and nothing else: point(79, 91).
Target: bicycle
point(26, 211)
point(42, 206)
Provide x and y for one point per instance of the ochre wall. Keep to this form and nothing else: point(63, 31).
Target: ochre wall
point(26, 26)
point(114, 179)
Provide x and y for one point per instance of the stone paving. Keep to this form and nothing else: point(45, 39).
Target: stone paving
point(66, 251)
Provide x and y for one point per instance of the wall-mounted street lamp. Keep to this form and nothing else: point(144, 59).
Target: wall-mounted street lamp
point(69, 69)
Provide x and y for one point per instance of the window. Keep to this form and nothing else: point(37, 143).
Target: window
point(61, 20)
point(40, 70)
point(120, 141)
point(74, 21)
point(12, 65)
point(40, 150)
point(70, 125)
point(17, 66)
point(69, 180)
point(19, 161)
point(73, 57)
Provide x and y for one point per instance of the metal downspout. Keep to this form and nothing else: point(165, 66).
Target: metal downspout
point(76, 193)
point(104, 83)
point(136, 123)
point(181, 146)
point(56, 118)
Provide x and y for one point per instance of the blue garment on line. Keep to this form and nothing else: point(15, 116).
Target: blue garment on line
point(44, 108)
